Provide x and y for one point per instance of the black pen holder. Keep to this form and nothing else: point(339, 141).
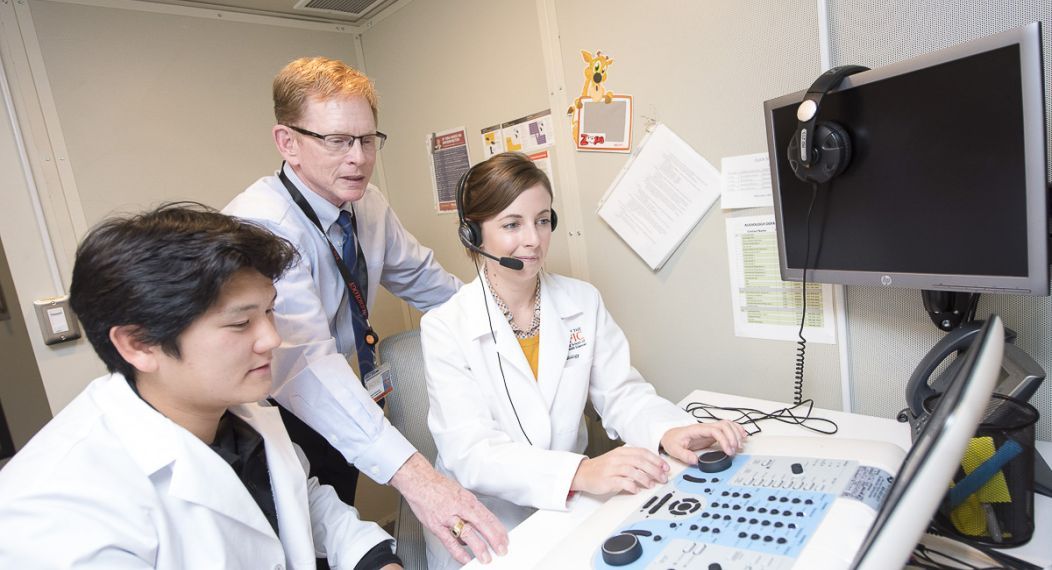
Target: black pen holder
point(991, 498)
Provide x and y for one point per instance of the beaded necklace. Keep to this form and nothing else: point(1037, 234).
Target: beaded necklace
point(535, 324)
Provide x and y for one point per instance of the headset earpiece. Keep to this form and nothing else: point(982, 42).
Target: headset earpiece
point(832, 154)
point(820, 150)
point(555, 219)
point(469, 232)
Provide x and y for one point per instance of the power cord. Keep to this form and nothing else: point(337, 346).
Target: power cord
point(924, 555)
point(750, 418)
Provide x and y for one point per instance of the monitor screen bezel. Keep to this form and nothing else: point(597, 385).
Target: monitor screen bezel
point(1036, 281)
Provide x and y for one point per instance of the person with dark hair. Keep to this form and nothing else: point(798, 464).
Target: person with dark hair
point(512, 358)
point(351, 243)
point(169, 461)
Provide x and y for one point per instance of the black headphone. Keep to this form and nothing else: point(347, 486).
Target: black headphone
point(820, 150)
point(470, 233)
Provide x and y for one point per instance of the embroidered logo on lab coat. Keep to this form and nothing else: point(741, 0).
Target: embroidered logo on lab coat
point(577, 341)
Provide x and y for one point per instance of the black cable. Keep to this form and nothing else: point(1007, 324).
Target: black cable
point(493, 334)
point(751, 417)
point(925, 557)
point(801, 348)
point(1010, 562)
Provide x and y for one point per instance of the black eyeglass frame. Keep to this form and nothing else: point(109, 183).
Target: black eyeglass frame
point(380, 137)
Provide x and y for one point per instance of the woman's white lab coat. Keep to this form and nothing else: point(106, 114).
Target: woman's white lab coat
point(112, 484)
point(583, 353)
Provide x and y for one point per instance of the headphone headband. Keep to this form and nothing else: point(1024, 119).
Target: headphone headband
point(807, 112)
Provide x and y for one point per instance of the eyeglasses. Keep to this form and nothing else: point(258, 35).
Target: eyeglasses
point(371, 142)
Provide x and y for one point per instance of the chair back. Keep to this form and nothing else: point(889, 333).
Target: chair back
point(407, 409)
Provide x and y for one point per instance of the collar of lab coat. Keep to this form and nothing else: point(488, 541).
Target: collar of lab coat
point(198, 474)
point(557, 310)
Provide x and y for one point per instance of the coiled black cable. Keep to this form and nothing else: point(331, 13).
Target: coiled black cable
point(801, 345)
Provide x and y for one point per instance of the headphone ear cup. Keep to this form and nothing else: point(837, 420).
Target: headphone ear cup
point(832, 153)
point(555, 220)
point(470, 234)
point(836, 145)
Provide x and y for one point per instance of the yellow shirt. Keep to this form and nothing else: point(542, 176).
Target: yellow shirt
point(530, 347)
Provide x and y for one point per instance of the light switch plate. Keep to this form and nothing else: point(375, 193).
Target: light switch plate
point(57, 321)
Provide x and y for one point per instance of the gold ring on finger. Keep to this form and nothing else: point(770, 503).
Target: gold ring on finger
point(457, 528)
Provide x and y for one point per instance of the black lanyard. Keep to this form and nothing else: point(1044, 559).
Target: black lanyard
point(371, 338)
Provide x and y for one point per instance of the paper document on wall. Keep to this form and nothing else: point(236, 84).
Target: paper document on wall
point(764, 305)
point(746, 181)
point(659, 196)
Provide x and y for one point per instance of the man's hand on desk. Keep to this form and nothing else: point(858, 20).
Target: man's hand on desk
point(441, 504)
point(683, 442)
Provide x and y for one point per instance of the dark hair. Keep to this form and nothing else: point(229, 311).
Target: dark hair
point(494, 184)
point(161, 270)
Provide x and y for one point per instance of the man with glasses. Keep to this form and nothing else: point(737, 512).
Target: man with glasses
point(350, 242)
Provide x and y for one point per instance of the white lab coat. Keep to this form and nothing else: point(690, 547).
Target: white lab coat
point(583, 354)
point(112, 484)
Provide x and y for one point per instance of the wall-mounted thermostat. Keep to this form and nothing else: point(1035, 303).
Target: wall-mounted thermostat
point(57, 321)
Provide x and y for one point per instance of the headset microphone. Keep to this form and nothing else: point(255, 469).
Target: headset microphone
point(509, 262)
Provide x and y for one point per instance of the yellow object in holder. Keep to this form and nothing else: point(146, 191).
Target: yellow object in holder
point(970, 518)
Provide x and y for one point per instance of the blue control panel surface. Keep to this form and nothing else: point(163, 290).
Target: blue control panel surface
point(758, 513)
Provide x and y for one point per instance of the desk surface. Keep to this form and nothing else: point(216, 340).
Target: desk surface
point(533, 540)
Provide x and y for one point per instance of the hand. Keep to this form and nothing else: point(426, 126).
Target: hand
point(682, 442)
point(440, 502)
point(629, 469)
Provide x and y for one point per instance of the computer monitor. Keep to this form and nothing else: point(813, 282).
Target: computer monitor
point(946, 188)
point(924, 476)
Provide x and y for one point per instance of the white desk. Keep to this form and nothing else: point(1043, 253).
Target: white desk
point(534, 539)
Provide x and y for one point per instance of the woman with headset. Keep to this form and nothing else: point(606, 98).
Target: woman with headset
point(512, 357)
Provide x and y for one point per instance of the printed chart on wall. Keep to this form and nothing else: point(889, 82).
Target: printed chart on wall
point(526, 134)
point(764, 305)
point(448, 155)
point(543, 160)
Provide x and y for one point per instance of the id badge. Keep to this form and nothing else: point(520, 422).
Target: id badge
point(379, 382)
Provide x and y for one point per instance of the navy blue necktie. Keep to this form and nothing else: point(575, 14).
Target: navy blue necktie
point(356, 266)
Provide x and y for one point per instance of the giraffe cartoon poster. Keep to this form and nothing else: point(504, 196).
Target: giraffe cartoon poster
point(602, 119)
